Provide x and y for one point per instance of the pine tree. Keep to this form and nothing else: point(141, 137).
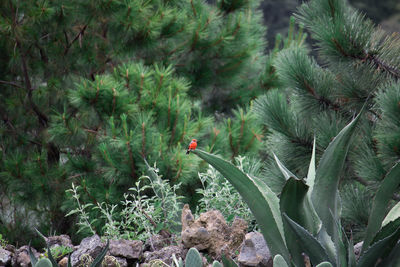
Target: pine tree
point(358, 65)
point(90, 88)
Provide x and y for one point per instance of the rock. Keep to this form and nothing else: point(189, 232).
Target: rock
point(254, 251)
point(164, 254)
point(111, 261)
point(156, 242)
point(357, 249)
point(210, 232)
point(129, 249)
point(239, 229)
point(90, 246)
point(5, 257)
point(60, 240)
point(63, 262)
point(21, 257)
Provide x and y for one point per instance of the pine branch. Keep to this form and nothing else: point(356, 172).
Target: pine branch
point(143, 140)
point(133, 166)
point(365, 56)
point(12, 83)
point(79, 35)
point(320, 99)
point(175, 122)
point(43, 120)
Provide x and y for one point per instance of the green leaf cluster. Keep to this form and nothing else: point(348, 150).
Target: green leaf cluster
point(90, 88)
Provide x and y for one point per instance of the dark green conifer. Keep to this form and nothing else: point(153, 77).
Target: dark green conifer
point(90, 88)
point(358, 65)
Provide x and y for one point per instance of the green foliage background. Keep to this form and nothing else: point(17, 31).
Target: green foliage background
point(91, 88)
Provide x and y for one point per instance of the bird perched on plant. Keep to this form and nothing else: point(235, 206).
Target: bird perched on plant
point(192, 146)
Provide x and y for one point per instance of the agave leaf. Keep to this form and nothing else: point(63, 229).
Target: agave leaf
point(97, 261)
point(393, 214)
point(40, 234)
point(342, 256)
point(51, 258)
point(387, 230)
point(379, 250)
point(279, 261)
point(295, 203)
point(346, 256)
point(393, 260)
point(324, 194)
point(263, 203)
point(227, 262)
point(311, 170)
point(32, 256)
point(286, 173)
point(327, 243)
point(351, 256)
point(307, 242)
point(379, 206)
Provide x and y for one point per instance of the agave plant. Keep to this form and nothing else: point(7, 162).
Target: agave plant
point(306, 216)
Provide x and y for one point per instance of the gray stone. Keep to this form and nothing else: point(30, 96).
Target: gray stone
point(21, 257)
point(5, 257)
point(164, 254)
point(91, 246)
point(60, 240)
point(129, 249)
point(156, 242)
point(111, 261)
point(254, 251)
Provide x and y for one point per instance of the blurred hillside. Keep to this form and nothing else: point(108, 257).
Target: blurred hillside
point(277, 13)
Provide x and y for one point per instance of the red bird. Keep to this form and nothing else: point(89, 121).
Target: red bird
point(192, 146)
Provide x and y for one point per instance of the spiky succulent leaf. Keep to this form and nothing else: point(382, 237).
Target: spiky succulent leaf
point(325, 190)
point(309, 244)
point(311, 170)
point(228, 262)
point(379, 206)
point(295, 203)
point(286, 173)
point(379, 250)
point(393, 214)
point(51, 258)
point(263, 203)
point(32, 256)
point(387, 230)
point(97, 261)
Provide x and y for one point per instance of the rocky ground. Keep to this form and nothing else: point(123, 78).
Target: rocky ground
point(209, 233)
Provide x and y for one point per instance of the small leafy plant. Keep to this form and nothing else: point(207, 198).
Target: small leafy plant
point(58, 252)
point(139, 215)
point(306, 217)
point(3, 242)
